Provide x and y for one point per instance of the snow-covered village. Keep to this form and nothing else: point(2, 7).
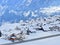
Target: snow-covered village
point(29, 22)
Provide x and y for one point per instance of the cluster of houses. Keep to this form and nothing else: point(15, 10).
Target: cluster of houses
point(31, 26)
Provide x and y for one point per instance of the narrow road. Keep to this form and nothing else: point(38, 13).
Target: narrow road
point(40, 38)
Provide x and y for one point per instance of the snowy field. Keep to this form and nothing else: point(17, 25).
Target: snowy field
point(49, 41)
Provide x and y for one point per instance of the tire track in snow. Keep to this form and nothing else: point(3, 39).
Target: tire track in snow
point(40, 38)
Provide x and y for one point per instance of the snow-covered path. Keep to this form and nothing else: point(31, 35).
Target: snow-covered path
point(48, 41)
